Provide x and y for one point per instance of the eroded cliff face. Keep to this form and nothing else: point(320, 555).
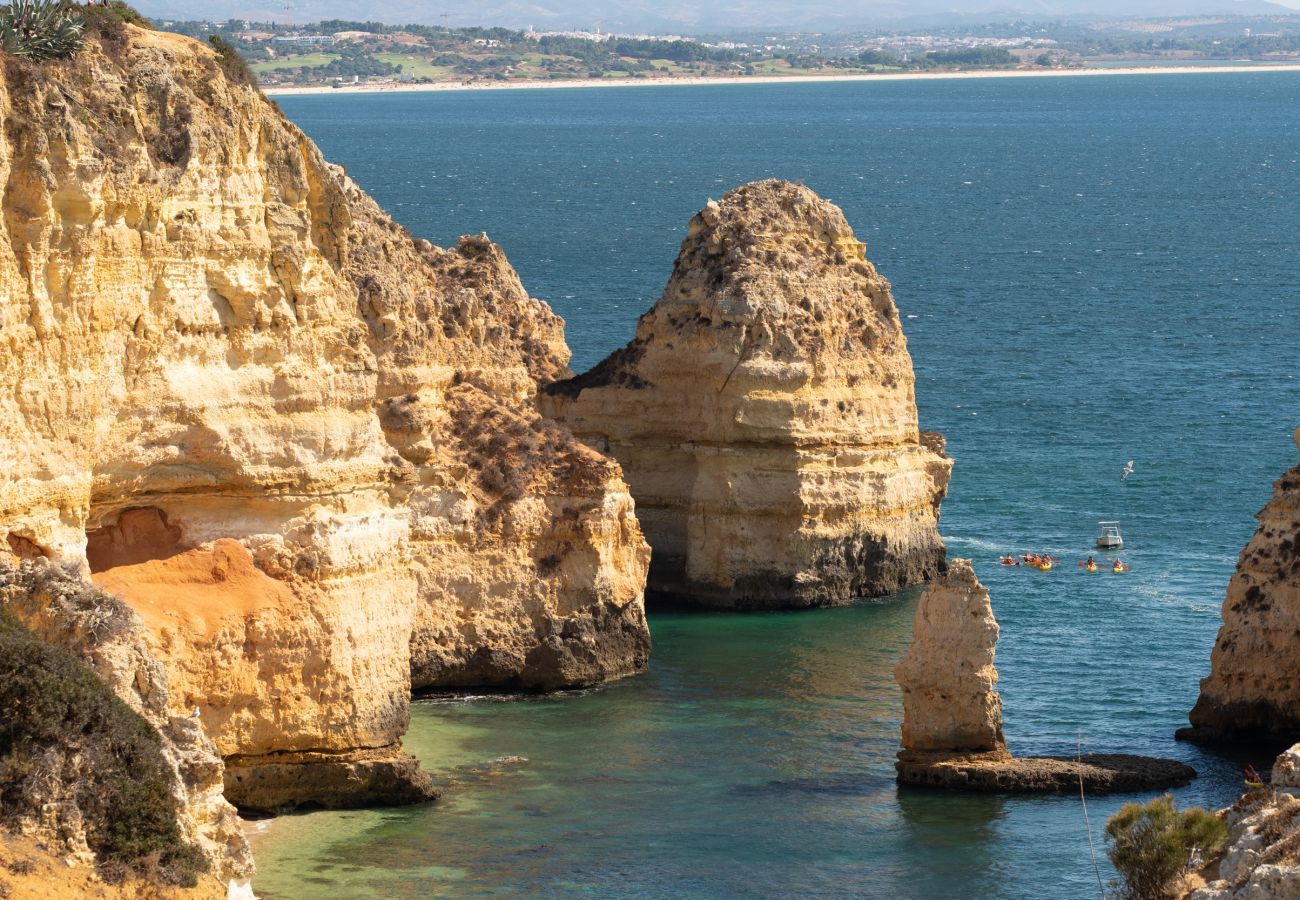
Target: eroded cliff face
point(765, 416)
point(1252, 690)
point(300, 443)
point(948, 678)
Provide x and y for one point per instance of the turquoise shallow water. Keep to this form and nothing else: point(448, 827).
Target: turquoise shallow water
point(1092, 270)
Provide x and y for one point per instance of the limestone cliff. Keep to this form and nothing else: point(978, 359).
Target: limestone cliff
point(765, 417)
point(952, 716)
point(947, 677)
point(302, 444)
point(1253, 690)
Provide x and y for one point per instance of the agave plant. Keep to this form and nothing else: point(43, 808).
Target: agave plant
point(40, 29)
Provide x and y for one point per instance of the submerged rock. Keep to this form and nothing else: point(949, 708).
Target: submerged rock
point(1100, 773)
point(765, 415)
point(1253, 691)
point(952, 716)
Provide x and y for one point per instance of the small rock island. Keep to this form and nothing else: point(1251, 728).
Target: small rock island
point(952, 716)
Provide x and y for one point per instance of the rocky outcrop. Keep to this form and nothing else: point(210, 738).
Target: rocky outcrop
point(947, 677)
point(63, 610)
point(302, 444)
point(1252, 691)
point(1261, 860)
point(952, 716)
point(765, 415)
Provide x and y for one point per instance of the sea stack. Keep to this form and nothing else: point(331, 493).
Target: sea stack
point(952, 716)
point(1253, 692)
point(300, 443)
point(947, 677)
point(765, 415)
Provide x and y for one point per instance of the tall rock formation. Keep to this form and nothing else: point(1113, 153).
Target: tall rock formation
point(765, 415)
point(1253, 689)
point(952, 716)
point(302, 444)
point(947, 677)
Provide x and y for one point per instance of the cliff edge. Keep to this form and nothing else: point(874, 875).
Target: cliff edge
point(765, 416)
point(1252, 691)
point(301, 444)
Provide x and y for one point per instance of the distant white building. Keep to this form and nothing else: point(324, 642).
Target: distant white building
point(304, 40)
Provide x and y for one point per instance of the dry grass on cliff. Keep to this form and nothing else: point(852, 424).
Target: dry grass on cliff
point(511, 455)
point(67, 743)
point(109, 23)
point(33, 870)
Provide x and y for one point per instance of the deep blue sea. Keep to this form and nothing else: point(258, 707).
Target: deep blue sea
point(1091, 270)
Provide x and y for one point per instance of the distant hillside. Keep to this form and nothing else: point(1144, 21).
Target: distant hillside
point(688, 16)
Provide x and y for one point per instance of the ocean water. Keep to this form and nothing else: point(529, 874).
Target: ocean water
point(1091, 270)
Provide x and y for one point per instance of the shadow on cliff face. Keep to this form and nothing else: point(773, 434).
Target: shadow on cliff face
point(140, 534)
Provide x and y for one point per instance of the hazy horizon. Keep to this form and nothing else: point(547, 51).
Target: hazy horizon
point(689, 17)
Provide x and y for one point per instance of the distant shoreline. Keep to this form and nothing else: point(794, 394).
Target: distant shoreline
point(288, 90)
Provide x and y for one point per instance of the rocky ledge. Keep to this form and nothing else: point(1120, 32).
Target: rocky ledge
point(1100, 773)
point(952, 716)
point(386, 776)
point(765, 415)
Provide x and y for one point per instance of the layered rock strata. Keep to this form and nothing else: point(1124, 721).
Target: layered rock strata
point(765, 415)
point(952, 716)
point(302, 444)
point(1253, 689)
point(948, 676)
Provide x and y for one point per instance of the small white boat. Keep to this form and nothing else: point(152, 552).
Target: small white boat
point(1108, 536)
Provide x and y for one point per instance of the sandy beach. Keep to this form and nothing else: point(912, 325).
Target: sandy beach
point(276, 91)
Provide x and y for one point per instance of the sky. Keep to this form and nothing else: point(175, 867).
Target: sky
point(693, 16)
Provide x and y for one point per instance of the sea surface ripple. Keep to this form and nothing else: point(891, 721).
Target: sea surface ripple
point(1091, 270)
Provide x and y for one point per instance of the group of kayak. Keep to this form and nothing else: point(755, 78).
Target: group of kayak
point(1033, 560)
point(1045, 562)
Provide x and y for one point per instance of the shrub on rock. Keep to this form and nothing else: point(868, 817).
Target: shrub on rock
point(67, 742)
point(1152, 844)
